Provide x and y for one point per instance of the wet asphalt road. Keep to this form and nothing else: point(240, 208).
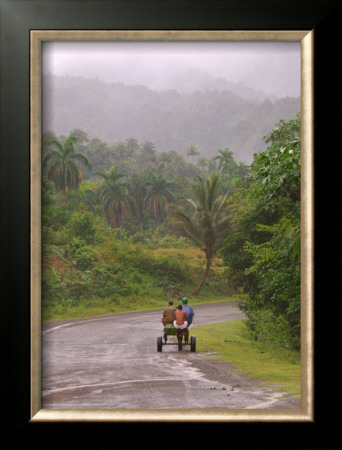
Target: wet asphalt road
point(112, 363)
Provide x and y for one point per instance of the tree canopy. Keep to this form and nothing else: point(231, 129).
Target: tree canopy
point(262, 255)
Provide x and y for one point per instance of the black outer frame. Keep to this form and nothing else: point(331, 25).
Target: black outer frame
point(17, 18)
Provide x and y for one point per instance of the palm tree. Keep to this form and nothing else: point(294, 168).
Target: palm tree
point(242, 170)
point(208, 223)
point(119, 150)
point(225, 157)
point(114, 174)
point(192, 151)
point(62, 162)
point(114, 196)
point(147, 154)
point(159, 195)
point(132, 146)
point(138, 188)
point(148, 148)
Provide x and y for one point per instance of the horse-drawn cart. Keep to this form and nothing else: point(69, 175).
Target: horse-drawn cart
point(182, 338)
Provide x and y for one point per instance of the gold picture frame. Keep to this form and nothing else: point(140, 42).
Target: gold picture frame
point(306, 412)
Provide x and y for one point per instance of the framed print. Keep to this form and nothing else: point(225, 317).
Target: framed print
point(145, 166)
point(65, 247)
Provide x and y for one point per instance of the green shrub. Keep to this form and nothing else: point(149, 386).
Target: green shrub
point(58, 215)
point(59, 237)
point(78, 290)
point(82, 225)
point(84, 258)
point(144, 260)
point(271, 328)
point(54, 291)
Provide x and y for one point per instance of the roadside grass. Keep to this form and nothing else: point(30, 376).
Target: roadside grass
point(97, 307)
point(105, 306)
point(231, 343)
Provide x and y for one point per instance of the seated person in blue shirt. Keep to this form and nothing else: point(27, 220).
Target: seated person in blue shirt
point(189, 311)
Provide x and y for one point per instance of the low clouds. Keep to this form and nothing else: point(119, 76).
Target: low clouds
point(271, 67)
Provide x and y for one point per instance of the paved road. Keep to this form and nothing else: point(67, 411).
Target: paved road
point(112, 362)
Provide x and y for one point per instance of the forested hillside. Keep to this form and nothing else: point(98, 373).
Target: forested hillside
point(209, 120)
point(126, 227)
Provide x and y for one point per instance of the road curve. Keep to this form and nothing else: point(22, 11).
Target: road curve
point(112, 362)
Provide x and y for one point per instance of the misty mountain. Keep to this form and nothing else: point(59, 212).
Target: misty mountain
point(210, 119)
point(189, 80)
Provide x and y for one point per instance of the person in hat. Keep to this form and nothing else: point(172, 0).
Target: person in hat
point(189, 311)
point(169, 314)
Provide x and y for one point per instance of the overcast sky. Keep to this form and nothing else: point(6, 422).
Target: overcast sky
point(272, 67)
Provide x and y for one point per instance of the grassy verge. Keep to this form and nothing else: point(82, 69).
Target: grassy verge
point(101, 307)
point(232, 344)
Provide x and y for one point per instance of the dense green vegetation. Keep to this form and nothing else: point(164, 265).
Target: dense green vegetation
point(262, 255)
point(126, 227)
point(108, 245)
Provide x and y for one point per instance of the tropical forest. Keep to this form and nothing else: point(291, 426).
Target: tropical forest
point(128, 226)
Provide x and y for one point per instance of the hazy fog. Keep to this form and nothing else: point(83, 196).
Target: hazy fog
point(271, 67)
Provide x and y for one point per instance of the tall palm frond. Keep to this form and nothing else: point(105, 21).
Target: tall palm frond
point(115, 198)
point(158, 195)
point(62, 163)
point(205, 220)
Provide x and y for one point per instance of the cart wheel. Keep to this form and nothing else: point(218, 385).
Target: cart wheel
point(159, 344)
point(193, 343)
